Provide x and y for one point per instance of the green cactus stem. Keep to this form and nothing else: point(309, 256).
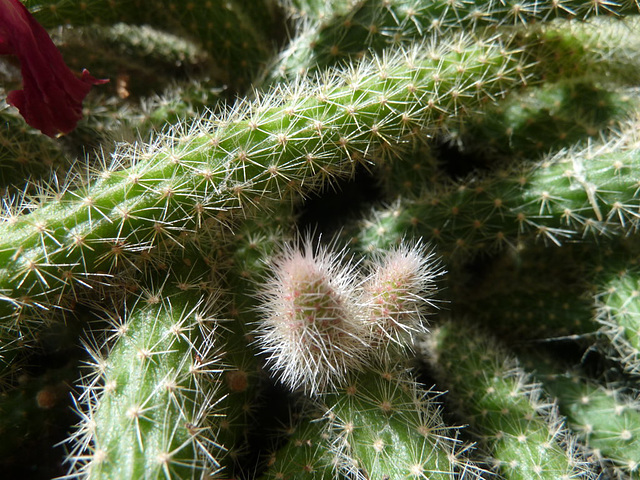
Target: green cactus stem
point(533, 123)
point(518, 427)
point(307, 455)
point(617, 304)
point(578, 194)
point(259, 150)
point(384, 425)
point(151, 402)
point(604, 415)
point(373, 25)
point(378, 424)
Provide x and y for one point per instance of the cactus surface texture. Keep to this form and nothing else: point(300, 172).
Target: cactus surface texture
point(324, 239)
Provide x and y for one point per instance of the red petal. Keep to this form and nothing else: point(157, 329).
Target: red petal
point(52, 95)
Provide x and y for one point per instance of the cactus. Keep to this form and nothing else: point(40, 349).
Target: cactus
point(603, 414)
point(470, 160)
point(518, 427)
point(374, 25)
point(152, 399)
point(221, 165)
point(584, 192)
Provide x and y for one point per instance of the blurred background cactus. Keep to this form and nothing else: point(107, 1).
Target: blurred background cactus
point(346, 239)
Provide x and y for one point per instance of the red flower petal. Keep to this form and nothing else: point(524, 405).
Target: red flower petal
point(52, 95)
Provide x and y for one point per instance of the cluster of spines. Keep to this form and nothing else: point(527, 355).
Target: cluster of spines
point(322, 319)
point(398, 431)
point(516, 423)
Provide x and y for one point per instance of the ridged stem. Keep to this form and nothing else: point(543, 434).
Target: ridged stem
point(519, 428)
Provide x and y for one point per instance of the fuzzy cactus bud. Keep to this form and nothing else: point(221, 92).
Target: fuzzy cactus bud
point(311, 328)
point(397, 293)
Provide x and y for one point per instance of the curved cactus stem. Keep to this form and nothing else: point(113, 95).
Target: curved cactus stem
point(336, 34)
point(574, 195)
point(518, 427)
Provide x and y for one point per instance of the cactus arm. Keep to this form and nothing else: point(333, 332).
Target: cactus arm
point(617, 306)
point(603, 413)
point(152, 404)
point(573, 195)
point(373, 25)
point(520, 430)
point(386, 426)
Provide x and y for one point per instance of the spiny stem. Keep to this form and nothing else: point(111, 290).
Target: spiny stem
point(152, 402)
point(373, 25)
point(572, 195)
point(519, 429)
point(313, 134)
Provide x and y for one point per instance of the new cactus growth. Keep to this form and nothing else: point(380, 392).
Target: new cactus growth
point(485, 164)
point(312, 331)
